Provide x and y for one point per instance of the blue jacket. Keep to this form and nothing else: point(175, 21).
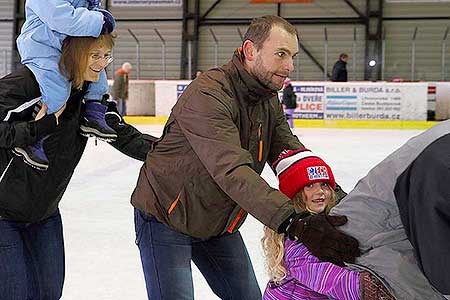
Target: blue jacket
point(46, 26)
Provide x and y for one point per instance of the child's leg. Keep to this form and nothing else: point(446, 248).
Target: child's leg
point(55, 90)
point(94, 118)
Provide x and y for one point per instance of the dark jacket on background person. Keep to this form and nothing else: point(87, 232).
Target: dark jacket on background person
point(120, 85)
point(203, 175)
point(289, 97)
point(339, 72)
point(27, 194)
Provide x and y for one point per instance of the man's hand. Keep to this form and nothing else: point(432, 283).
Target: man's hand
point(324, 241)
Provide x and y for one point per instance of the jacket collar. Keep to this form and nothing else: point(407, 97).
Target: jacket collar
point(255, 90)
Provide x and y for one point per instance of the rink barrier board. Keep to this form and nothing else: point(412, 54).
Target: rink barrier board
point(352, 124)
point(365, 101)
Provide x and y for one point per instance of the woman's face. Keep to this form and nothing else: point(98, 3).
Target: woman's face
point(98, 58)
point(317, 196)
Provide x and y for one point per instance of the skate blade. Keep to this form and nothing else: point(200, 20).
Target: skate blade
point(26, 159)
point(90, 132)
point(103, 139)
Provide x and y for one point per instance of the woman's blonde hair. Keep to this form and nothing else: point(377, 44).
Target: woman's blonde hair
point(273, 242)
point(75, 54)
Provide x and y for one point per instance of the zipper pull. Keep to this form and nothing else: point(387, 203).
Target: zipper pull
point(260, 142)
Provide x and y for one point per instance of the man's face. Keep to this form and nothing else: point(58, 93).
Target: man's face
point(275, 60)
point(98, 58)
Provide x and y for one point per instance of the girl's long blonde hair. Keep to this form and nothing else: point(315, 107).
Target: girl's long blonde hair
point(273, 242)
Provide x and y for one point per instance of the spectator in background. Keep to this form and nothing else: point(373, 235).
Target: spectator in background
point(198, 73)
point(339, 73)
point(289, 102)
point(120, 87)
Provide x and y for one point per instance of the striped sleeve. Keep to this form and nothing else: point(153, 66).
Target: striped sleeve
point(322, 277)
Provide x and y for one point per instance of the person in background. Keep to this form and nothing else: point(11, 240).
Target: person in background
point(120, 87)
point(46, 26)
point(198, 73)
point(339, 73)
point(289, 102)
point(295, 273)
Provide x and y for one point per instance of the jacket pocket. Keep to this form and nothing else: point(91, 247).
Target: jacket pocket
point(200, 209)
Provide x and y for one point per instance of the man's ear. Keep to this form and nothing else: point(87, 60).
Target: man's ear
point(249, 50)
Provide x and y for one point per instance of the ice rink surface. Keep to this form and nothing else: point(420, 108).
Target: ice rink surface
point(102, 260)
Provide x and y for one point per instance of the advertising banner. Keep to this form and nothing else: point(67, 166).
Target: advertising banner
point(310, 100)
point(376, 101)
point(361, 101)
point(333, 100)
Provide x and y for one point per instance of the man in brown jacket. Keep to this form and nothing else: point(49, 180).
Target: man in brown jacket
point(202, 177)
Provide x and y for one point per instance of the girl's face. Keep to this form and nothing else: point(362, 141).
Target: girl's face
point(99, 57)
point(317, 196)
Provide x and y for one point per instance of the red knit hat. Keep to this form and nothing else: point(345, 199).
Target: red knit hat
point(297, 168)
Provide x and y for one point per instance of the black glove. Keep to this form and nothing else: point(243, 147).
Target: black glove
point(112, 116)
point(324, 241)
point(109, 23)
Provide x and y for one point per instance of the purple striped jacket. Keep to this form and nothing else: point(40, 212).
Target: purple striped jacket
point(309, 278)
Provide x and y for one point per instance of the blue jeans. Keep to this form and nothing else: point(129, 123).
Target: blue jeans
point(166, 259)
point(31, 259)
point(121, 107)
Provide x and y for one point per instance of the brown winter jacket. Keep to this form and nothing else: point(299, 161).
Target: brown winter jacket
point(203, 175)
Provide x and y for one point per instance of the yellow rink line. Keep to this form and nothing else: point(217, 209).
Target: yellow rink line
point(354, 124)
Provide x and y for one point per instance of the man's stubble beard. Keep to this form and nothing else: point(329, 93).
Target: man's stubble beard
point(263, 76)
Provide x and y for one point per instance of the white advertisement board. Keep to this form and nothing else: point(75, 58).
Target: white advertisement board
point(166, 95)
point(360, 100)
point(442, 100)
point(334, 100)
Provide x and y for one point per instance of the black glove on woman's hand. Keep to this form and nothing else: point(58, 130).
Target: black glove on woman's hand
point(112, 116)
point(324, 241)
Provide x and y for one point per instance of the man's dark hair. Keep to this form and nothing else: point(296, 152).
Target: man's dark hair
point(259, 29)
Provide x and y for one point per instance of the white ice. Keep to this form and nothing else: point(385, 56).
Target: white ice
point(102, 260)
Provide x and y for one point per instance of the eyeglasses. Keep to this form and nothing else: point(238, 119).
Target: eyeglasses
point(97, 57)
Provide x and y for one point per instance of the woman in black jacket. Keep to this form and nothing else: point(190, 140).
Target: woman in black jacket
point(31, 238)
